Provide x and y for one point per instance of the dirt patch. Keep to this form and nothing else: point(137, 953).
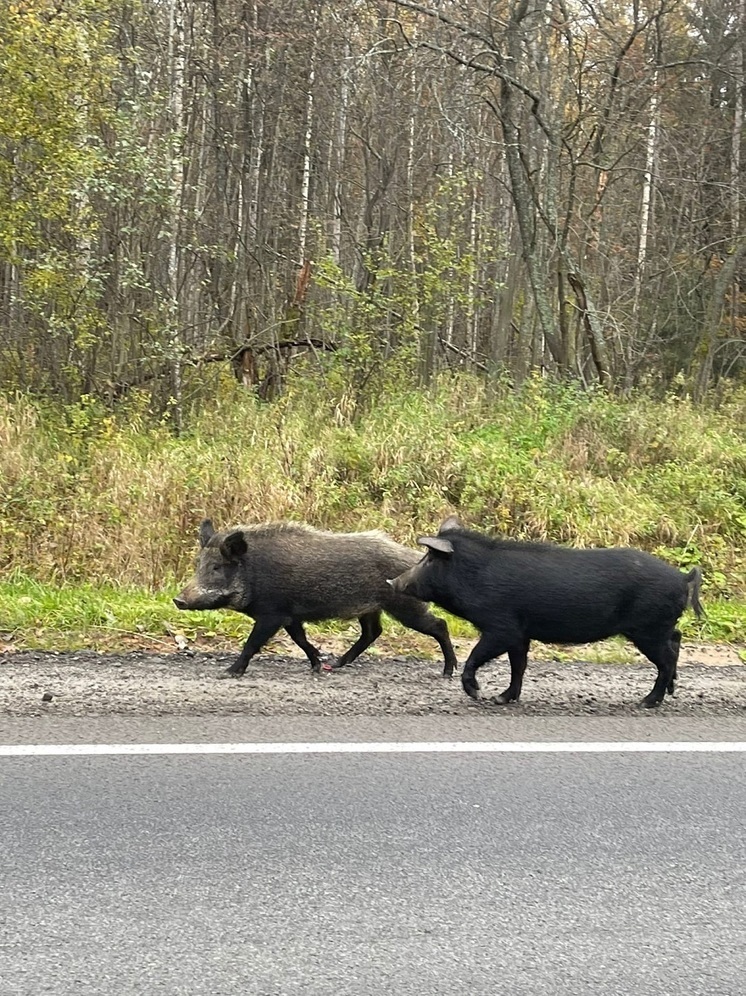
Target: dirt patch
point(146, 683)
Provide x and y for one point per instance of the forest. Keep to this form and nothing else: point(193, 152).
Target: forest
point(499, 188)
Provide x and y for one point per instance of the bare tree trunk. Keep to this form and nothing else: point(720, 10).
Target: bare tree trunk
point(451, 305)
point(176, 60)
point(307, 151)
point(593, 329)
point(525, 207)
point(647, 192)
point(713, 318)
point(472, 317)
point(341, 142)
point(255, 126)
point(735, 158)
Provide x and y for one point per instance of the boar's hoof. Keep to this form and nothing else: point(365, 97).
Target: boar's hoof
point(470, 686)
point(230, 672)
point(318, 665)
point(651, 701)
point(505, 698)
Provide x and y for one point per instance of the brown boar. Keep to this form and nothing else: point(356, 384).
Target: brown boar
point(284, 575)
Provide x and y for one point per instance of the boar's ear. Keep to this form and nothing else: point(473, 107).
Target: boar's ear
point(206, 530)
point(437, 544)
point(452, 522)
point(234, 545)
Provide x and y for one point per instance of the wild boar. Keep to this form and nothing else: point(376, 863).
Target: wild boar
point(516, 592)
point(286, 574)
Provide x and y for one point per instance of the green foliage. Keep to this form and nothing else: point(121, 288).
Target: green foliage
point(383, 330)
point(55, 80)
point(725, 621)
point(54, 71)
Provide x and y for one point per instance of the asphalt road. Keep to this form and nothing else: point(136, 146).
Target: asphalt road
point(373, 874)
point(510, 724)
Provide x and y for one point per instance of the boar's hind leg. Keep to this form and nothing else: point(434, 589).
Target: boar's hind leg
point(264, 629)
point(370, 624)
point(297, 634)
point(663, 652)
point(675, 647)
point(415, 614)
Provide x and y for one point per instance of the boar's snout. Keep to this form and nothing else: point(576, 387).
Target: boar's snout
point(187, 597)
point(401, 584)
point(194, 597)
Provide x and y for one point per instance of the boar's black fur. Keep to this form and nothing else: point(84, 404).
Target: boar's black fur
point(515, 592)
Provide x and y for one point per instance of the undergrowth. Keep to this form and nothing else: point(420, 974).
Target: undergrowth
point(112, 501)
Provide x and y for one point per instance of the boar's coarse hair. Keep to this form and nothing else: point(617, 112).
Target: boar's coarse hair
point(514, 592)
point(286, 574)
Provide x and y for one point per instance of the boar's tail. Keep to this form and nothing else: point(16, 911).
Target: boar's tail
point(694, 579)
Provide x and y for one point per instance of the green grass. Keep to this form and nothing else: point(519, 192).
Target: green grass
point(34, 615)
point(67, 617)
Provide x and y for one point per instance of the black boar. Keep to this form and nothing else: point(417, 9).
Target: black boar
point(517, 592)
point(283, 575)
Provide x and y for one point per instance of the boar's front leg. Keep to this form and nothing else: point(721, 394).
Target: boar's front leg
point(264, 629)
point(518, 657)
point(488, 647)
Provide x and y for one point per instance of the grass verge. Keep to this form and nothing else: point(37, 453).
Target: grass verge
point(35, 615)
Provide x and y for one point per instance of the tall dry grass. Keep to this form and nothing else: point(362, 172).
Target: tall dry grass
point(90, 496)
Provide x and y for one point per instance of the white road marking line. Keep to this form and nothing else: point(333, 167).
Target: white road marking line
point(396, 747)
